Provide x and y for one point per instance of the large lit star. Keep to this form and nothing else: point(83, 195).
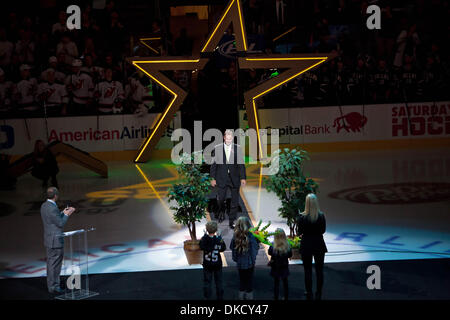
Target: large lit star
point(296, 64)
point(152, 67)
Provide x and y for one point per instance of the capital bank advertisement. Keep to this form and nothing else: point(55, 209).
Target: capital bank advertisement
point(356, 123)
point(90, 134)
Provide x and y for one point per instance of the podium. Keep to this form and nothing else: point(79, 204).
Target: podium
point(76, 265)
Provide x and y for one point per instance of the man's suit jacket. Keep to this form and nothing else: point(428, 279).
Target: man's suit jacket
point(220, 166)
point(54, 221)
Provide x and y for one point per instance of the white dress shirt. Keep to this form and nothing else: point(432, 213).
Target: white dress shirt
point(228, 151)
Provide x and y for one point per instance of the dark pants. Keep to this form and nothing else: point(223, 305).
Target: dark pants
point(54, 262)
point(207, 283)
point(307, 264)
point(246, 279)
point(221, 196)
point(276, 289)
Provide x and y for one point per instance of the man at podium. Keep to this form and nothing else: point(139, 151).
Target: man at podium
point(54, 221)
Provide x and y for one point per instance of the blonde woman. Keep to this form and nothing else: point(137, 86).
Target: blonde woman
point(244, 248)
point(280, 253)
point(311, 225)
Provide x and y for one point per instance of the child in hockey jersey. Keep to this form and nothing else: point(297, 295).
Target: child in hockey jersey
point(212, 245)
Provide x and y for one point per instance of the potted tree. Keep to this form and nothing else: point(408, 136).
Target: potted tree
point(291, 186)
point(190, 197)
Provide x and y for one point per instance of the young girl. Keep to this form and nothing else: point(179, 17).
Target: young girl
point(244, 249)
point(212, 245)
point(280, 253)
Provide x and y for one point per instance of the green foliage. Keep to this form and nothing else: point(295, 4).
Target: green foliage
point(262, 235)
point(190, 195)
point(295, 242)
point(290, 184)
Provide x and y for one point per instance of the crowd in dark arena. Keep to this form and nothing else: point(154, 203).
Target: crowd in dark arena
point(43, 64)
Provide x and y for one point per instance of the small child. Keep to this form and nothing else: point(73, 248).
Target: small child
point(212, 245)
point(280, 253)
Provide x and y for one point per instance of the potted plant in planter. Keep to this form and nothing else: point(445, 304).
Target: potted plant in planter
point(190, 197)
point(291, 186)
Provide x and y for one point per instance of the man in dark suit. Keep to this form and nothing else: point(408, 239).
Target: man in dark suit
point(228, 171)
point(54, 221)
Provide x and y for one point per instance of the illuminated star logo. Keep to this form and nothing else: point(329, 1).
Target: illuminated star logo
point(295, 65)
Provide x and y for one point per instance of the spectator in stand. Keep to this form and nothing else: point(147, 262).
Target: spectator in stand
point(309, 82)
point(274, 15)
point(134, 93)
point(25, 92)
point(13, 27)
point(60, 77)
point(156, 28)
point(62, 65)
point(407, 41)
point(409, 80)
point(52, 95)
point(29, 26)
point(340, 81)
point(432, 80)
point(6, 90)
point(110, 94)
point(89, 48)
point(326, 95)
point(68, 47)
point(382, 82)
point(115, 33)
point(96, 73)
point(80, 87)
point(357, 82)
point(12, 71)
point(253, 16)
point(89, 28)
point(183, 44)
point(105, 17)
point(60, 27)
point(6, 49)
point(25, 47)
point(43, 48)
point(110, 63)
point(385, 40)
point(252, 78)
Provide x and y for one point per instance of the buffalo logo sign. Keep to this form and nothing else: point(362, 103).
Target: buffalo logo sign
point(353, 121)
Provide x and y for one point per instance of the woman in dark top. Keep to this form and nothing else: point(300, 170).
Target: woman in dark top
point(312, 225)
point(44, 164)
point(280, 253)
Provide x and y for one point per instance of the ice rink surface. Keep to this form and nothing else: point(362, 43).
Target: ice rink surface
point(379, 205)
